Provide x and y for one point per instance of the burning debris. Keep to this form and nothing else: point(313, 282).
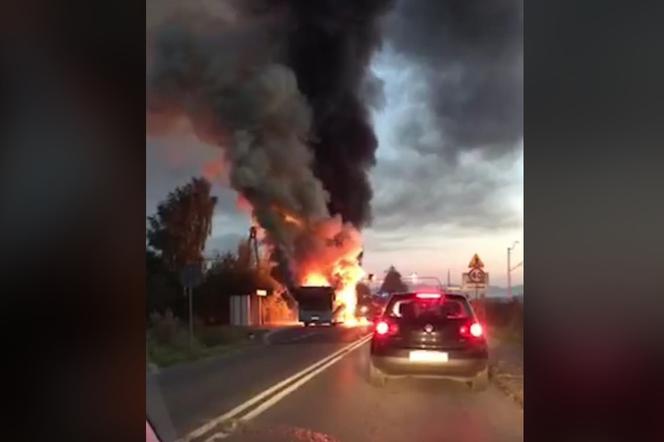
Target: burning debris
point(277, 86)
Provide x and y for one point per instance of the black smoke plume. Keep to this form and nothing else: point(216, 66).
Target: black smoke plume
point(329, 49)
point(279, 86)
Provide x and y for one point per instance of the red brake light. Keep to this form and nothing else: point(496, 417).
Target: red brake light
point(475, 330)
point(386, 328)
point(382, 328)
point(428, 295)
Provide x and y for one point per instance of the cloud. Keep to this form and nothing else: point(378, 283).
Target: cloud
point(422, 189)
point(468, 54)
point(416, 190)
point(227, 242)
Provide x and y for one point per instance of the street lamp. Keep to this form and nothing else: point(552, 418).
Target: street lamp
point(510, 268)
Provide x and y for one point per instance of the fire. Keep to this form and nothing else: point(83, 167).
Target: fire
point(349, 274)
point(315, 279)
point(290, 218)
point(293, 220)
point(326, 253)
point(357, 322)
point(332, 260)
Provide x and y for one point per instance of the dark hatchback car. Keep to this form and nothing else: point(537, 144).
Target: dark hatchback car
point(429, 335)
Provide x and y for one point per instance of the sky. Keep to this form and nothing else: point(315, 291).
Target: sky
point(448, 181)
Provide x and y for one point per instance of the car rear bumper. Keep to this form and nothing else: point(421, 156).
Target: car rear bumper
point(460, 368)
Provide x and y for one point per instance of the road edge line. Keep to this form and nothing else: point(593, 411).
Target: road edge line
point(200, 431)
point(299, 382)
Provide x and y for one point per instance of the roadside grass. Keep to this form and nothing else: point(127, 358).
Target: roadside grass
point(208, 341)
point(506, 370)
point(510, 333)
point(506, 322)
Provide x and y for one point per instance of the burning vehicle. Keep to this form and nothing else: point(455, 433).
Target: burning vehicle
point(316, 305)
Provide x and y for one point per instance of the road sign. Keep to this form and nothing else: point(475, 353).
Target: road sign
point(475, 280)
point(477, 276)
point(475, 262)
point(191, 275)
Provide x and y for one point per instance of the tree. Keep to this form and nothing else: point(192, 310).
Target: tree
point(392, 282)
point(162, 286)
point(182, 224)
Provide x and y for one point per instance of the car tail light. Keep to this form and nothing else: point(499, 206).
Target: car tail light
point(473, 330)
point(383, 328)
point(428, 295)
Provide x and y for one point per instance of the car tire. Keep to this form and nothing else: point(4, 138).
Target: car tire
point(376, 377)
point(481, 381)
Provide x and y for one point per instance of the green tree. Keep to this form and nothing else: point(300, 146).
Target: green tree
point(162, 285)
point(179, 229)
point(392, 282)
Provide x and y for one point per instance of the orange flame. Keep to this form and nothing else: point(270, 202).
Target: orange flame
point(315, 279)
point(293, 220)
point(334, 263)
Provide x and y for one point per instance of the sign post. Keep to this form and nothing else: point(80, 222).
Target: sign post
point(475, 279)
point(191, 276)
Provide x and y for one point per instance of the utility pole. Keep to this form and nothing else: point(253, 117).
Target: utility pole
point(253, 243)
point(509, 274)
point(253, 246)
point(448, 277)
point(191, 276)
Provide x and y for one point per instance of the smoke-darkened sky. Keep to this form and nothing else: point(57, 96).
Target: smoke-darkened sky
point(445, 95)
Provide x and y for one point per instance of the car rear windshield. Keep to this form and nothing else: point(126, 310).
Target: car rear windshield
point(408, 308)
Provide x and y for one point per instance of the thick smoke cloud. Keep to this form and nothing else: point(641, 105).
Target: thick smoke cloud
point(329, 49)
point(470, 58)
point(279, 86)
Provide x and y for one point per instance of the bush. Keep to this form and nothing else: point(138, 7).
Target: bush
point(165, 327)
point(516, 320)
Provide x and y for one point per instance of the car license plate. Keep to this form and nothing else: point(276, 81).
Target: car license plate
point(427, 356)
point(315, 317)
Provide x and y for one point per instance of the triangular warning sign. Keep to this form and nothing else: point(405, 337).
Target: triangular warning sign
point(476, 262)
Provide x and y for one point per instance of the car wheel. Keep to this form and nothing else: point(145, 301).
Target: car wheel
point(376, 377)
point(481, 381)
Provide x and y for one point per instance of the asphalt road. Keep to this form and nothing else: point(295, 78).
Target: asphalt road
point(336, 404)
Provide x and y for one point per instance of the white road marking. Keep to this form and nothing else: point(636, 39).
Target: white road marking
point(324, 363)
point(217, 436)
point(291, 388)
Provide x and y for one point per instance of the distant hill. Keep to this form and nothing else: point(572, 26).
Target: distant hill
point(501, 292)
